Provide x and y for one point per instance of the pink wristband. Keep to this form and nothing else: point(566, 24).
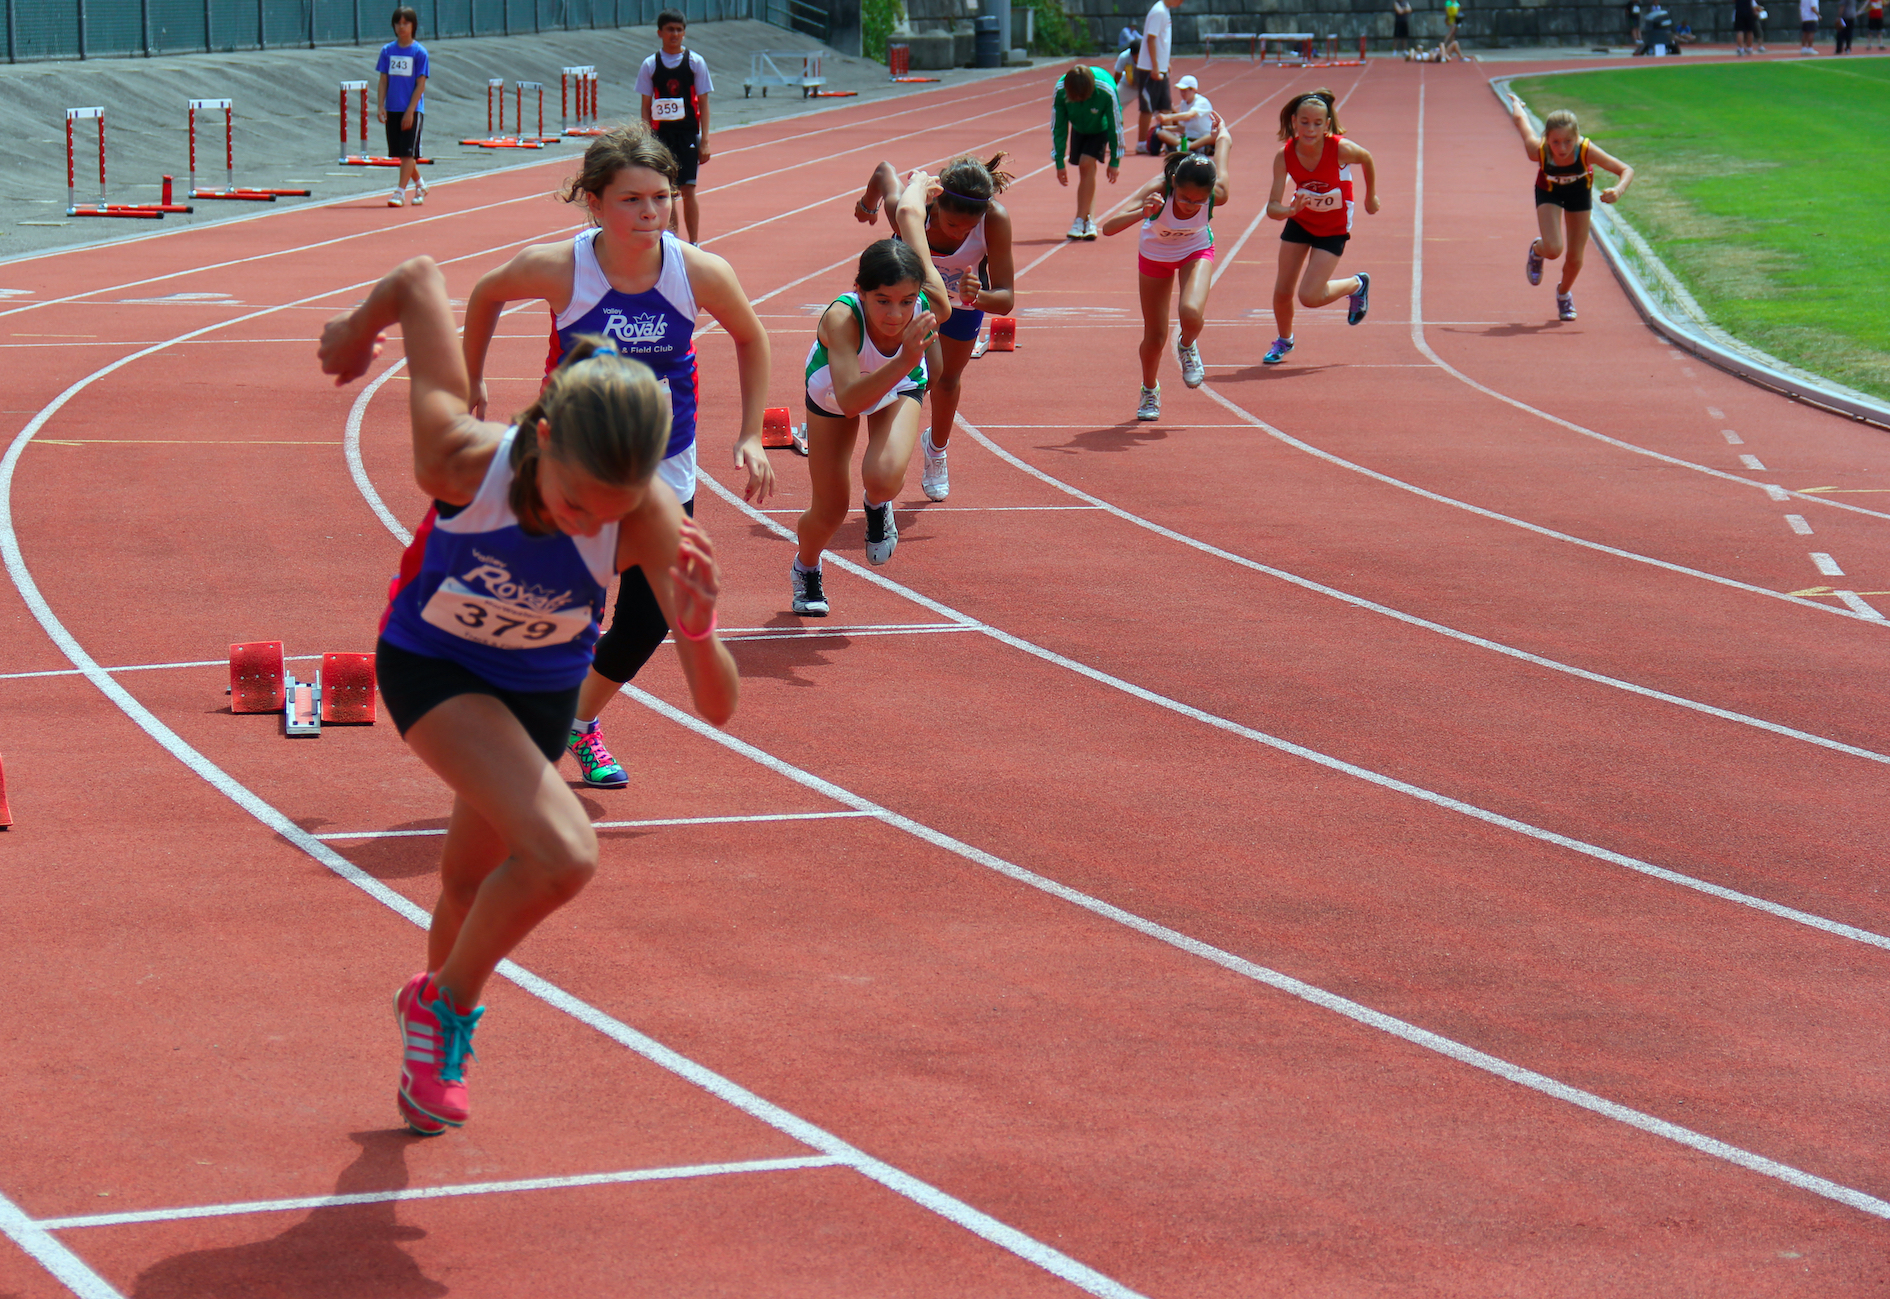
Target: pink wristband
point(704, 634)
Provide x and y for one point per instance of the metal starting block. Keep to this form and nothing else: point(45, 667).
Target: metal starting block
point(302, 708)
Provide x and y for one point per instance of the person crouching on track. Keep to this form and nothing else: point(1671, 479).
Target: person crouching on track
point(868, 359)
point(1084, 112)
point(963, 234)
point(1176, 242)
point(625, 278)
point(1565, 189)
point(488, 634)
point(1318, 159)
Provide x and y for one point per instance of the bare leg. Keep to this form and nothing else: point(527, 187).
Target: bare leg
point(691, 214)
point(1085, 191)
point(1315, 289)
point(829, 461)
point(1292, 257)
point(519, 845)
point(1577, 245)
point(1196, 277)
point(1156, 290)
point(1549, 221)
point(947, 385)
point(892, 435)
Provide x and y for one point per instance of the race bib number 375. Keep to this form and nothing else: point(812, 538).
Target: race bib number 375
point(474, 616)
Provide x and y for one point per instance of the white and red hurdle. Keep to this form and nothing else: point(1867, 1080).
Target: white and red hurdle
point(363, 158)
point(495, 137)
point(581, 83)
point(230, 189)
point(141, 211)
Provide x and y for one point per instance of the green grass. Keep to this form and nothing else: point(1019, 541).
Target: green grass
point(1765, 186)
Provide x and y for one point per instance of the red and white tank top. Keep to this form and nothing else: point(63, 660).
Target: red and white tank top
point(1328, 190)
point(1167, 237)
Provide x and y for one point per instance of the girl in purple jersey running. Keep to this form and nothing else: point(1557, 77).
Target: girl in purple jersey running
point(623, 277)
point(488, 633)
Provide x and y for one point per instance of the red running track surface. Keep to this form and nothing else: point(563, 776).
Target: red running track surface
point(1398, 824)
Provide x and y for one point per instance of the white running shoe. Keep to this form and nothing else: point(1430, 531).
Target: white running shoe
point(882, 533)
point(1193, 373)
point(1076, 229)
point(936, 477)
point(1089, 229)
point(1151, 407)
point(809, 600)
point(419, 193)
point(397, 199)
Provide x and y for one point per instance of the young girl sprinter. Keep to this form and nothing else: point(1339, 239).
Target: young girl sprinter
point(1565, 189)
point(625, 278)
point(488, 633)
point(1176, 243)
point(868, 359)
point(1318, 159)
point(964, 234)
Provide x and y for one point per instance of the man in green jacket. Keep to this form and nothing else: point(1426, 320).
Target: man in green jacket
point(1086, 112)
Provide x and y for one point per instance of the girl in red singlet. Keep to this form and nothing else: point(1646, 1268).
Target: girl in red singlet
point(1565, 184)
point(1318, 159)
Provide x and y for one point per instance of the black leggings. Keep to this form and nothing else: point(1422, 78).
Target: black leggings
point(637, 625)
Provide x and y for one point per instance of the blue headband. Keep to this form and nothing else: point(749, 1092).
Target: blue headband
point(962, 198)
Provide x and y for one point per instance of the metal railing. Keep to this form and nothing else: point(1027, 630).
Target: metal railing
point(798, 16)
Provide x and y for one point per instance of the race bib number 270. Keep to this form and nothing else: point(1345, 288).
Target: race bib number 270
point(472, 615)
point(1322, 200)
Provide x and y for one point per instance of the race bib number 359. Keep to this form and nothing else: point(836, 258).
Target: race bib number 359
point(471, 615)
point(667, 110)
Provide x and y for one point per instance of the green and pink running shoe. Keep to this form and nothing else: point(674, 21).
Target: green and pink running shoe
point(601, 771)
point(436, 1042)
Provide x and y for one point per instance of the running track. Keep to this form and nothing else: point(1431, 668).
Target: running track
point(1408, 822)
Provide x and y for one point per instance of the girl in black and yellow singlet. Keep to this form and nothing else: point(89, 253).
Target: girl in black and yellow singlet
point(1565, 183)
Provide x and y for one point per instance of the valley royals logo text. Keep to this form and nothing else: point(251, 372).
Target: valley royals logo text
point(632, 331)
point(497, 580)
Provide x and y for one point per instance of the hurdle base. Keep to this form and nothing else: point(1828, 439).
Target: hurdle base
point(238, 195)
point(370, 160)
point(585, 130)
point(119, 210)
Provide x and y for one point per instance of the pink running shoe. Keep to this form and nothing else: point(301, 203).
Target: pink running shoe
point(436, 1041)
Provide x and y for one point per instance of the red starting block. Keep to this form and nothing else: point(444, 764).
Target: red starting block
point(347, 682)
point(6, 816)
point(1000, 336)
point(777, 430)
point(256, 684)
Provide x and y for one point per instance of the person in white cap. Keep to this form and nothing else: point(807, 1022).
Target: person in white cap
point(1191, 126)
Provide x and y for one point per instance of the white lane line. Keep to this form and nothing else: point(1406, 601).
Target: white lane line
point(50, 1252)
point(1441, 629)
point(1826, 565)
point(900, 1182)
point(1796, 522)
point(1418, 341)
point(1751, 462)
point(352, 835)
point(679, 1173)
point(919, 511)
point(1714, 411)
point(1777, 493)
point(145, 667)
point(1391, 783)
point(1732, 438)
point(1355, 1011)
point(1851, 598)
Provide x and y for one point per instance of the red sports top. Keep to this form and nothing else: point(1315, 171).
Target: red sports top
point(1328, 189)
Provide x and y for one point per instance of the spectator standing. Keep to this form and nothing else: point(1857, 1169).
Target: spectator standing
point(1453, 17)
point(1807, 26)
point(1745, 25)
point(1634, 23)
point(403, 97)
point(1158, 43)
point(675, 86)
point(1873, 24)
point(1846, 26)
point(1401, 25)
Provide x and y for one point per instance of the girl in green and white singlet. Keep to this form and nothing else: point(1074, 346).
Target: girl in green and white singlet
point(868, 359)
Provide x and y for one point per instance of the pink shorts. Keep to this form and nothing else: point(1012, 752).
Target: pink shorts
point(1166, 270)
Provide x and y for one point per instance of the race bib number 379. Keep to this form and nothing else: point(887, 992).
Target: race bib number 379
point(474, 616)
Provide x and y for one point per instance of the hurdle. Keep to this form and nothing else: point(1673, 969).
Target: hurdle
point(581, 81)
point(495, 135)
point(229, 189)
point(135, 211)
point(363, 158)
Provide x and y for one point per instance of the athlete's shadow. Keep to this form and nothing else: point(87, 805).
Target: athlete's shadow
point(1273, 373)
point(404, 858)
point(352, 1250)
point(786, 658)
point(1126, 436)
point(1514, 330)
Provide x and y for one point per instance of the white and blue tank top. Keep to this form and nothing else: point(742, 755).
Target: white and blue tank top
point(474, 588)
point(656, 327)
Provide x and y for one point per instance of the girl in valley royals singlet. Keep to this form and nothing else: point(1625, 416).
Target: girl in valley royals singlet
point(628, 280)
point(868, 360)
point(964, 234)
point(1565, 192)
point(1318, 160)
point(1176, 243)
point(489, 629)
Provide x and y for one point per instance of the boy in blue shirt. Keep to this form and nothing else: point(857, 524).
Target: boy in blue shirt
point(403, 69)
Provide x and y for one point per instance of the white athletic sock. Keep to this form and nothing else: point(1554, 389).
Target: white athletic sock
point(799, 567)
point(874, 505)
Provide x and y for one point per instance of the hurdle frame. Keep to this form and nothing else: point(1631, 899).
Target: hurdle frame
point(133, 211)
point(584, 79)
point(363, 158)
point(230, 190)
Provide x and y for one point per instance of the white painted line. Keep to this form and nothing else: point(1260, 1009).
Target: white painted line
point(145, 667)
point(1826, 565)
point(918, 511)
point(352, 835)
point(830, 633)
point(50, 1253)
point(1751, 462)
point(1777, 493)
point(1418, 341)
point(442, 1192)
point(1851, 598)
point(1732, 438)
point(1796, 522)
point(902, 1183)
point(1307, 992)
point(1714, 411)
